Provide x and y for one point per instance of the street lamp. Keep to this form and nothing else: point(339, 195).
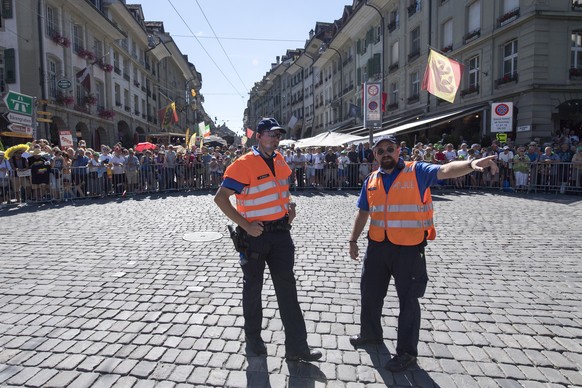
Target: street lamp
point(324, 46)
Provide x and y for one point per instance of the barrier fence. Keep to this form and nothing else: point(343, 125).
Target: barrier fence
point(25, 186)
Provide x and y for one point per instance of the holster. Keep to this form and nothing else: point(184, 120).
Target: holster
point(239, 240)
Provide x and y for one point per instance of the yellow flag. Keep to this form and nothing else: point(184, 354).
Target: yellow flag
point(442, 76)
point(201, 143)
point(193, 139)
point(187, 137)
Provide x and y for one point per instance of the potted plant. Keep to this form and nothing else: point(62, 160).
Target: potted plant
point(63, 99)
point(90, 99)
point(60, 40)
point(509, 15)
point(86, 54)
point(107, 114)
point(575, 72)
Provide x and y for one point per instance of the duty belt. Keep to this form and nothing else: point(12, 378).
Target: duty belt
point(277, 225)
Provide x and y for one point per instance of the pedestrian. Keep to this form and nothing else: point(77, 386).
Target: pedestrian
point(263, 213)
point(397, 198)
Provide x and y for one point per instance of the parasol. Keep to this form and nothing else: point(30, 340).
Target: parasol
point(141, 147)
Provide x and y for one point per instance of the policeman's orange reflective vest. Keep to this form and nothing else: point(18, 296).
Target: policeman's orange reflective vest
point(265, 197)
point(401, 215)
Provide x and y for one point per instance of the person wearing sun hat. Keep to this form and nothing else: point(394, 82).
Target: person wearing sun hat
point(260, 181)
point(397, 199)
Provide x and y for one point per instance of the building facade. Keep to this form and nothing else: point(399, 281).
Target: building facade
point(526, 52)
point(97, 70)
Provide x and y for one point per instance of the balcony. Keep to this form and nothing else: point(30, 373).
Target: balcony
point(575, 72)
point(413, 55)
point(392, 106)
point(577, 5)
point(392, 26)
point(469, 36)
point(414, 98)
point(470, 90)
point(393, 67)
point(448, 48)
point(508, 17)
point(126, 77)
point(127, 108)
point(413, 8)
point(507, 78)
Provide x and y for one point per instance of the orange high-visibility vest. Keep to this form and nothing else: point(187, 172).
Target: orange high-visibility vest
point(265, 197)
point(401, 215)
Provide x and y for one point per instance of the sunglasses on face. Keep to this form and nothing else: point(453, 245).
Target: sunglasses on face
point(274, 135)
point(389, 150)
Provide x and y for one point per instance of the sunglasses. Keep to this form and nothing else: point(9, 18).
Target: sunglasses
point(273, 134)
point(389, 150)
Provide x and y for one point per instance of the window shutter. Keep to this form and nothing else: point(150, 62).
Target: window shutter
point(7, 9)
point(9, 66)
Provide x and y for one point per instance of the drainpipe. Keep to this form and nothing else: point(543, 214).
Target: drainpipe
point(42, 71)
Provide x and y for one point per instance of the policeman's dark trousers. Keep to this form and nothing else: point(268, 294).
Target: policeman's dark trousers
point(407, 265)
point(277, 250)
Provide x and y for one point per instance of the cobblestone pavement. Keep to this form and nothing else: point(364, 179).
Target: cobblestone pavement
point(109, 294)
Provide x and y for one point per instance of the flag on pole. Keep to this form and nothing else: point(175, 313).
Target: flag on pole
point(442, 76)
point(354, 111)
point(192, 141)
point(201, 129)
point(243, 140)
point(168, 115)
point(250, 133)
point(207, 130)
point(187, 137)
point(201, 143)
point(84, 78)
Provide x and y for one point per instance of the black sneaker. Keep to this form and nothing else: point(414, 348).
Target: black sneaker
point(256, 345)
point(400, 362)
point(357, 341)
point(309, 355)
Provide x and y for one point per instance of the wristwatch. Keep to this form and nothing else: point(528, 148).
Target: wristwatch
point(470, 165)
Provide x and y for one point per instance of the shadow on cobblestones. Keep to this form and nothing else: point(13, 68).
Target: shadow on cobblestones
point(304, 374)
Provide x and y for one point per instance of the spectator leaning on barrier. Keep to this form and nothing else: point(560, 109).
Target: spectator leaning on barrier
point(521, 166)
point(577, 167)
point(398, 201)
point(263, 213)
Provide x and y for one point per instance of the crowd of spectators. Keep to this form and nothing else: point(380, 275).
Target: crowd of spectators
point(39, 171)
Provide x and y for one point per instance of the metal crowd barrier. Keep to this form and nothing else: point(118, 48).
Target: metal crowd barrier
point(95, 182)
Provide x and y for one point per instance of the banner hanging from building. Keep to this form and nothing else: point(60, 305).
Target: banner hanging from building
point(442, 76)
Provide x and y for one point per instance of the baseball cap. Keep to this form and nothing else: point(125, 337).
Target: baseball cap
point(269, 124)
point(506, 147)
point(390, 138)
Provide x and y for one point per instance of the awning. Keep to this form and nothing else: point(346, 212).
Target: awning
point(419, 124)
point(328, 139)
point(415, 123)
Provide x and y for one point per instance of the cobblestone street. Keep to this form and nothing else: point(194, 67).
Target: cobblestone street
point(110, 294)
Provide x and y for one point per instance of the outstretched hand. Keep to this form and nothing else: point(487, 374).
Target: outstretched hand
point(483, 163)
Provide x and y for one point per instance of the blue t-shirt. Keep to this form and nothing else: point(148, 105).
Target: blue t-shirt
point(426, 175)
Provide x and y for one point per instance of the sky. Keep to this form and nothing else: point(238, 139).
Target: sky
point(233, 43)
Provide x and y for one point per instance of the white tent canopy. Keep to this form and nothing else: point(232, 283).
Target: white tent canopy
point(328, 139)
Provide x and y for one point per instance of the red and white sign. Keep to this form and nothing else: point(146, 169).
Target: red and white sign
point(372, 104)
point(501, 117)
point(18, 128)
point(66, 139)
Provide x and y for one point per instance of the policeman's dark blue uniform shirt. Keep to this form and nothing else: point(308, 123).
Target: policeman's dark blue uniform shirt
point(426, 175)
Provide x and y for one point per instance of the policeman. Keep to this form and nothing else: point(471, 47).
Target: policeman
point(259, 181)
point(398, 201)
